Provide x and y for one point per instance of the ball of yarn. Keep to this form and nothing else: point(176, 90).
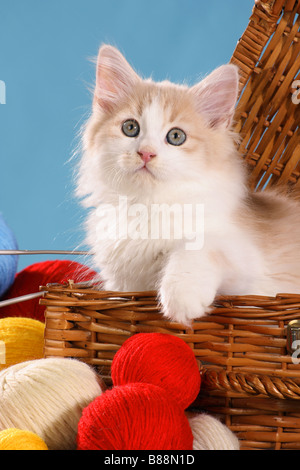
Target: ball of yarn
point(47, 397)
point(160, 359)
point(136, 416)
point(8, 263)
point(21, 340)
point(210, 434)
point(32, 277)
point(19, 439)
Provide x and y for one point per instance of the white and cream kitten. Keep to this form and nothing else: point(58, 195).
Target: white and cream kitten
point(150, 144)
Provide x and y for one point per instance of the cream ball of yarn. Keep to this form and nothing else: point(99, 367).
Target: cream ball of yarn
point(47, 397)
point(210, 434)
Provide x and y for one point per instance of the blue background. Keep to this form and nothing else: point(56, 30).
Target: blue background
point(45, 52)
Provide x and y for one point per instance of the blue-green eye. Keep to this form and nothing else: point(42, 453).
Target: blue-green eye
point(131, 128)
point(176, 136)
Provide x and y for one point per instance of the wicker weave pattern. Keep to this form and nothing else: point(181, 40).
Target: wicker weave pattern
point(267, 119)
point(241, 334)
point(248, 378)
point(251, 384)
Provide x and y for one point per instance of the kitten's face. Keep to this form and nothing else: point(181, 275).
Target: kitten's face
point(143, 134)
point(152, 137)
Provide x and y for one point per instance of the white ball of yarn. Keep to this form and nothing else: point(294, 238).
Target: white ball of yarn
point(210, 434)
point(47, 396)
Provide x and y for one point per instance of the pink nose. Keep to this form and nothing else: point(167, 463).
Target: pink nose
point(146, 155)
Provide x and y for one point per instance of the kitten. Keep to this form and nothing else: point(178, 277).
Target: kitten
point(163, 145)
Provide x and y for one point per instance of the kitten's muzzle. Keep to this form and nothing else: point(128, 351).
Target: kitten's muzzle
point(146, 155)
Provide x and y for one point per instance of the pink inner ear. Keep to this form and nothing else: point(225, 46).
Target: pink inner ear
point(115, 78)
point(216, 95)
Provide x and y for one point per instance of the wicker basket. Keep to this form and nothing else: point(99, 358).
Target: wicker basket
point(250, 375)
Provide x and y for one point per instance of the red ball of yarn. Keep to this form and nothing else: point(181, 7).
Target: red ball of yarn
point(32, 277)
point(134, 417)
point(160, 359)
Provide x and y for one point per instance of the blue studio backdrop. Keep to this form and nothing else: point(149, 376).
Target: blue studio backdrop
point(45, 77)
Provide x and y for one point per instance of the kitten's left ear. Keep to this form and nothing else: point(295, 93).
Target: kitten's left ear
point(216, 95)
point(115, 78)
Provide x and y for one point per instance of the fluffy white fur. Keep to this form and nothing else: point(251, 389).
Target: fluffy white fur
point(243, 246)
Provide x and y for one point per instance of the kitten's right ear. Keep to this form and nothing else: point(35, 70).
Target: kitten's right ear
point(114, 78)
point(216, 96)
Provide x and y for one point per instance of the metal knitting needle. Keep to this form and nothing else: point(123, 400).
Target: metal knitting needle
point(43, 252)
point(22, 298)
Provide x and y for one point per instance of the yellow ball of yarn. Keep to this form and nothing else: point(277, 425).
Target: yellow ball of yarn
point(21, 340)
point(17, 439)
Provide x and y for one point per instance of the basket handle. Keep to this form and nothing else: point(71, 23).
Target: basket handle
point(250, 384)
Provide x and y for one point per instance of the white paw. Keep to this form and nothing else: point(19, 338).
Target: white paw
point(184, 301)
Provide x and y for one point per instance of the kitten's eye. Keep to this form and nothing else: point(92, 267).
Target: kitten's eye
point(131, 128)
point(176, 136)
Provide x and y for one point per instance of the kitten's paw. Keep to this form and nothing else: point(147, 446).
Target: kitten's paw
point(184, 302)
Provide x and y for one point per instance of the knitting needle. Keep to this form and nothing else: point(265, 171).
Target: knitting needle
point(43, 252)
point(22, 298)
